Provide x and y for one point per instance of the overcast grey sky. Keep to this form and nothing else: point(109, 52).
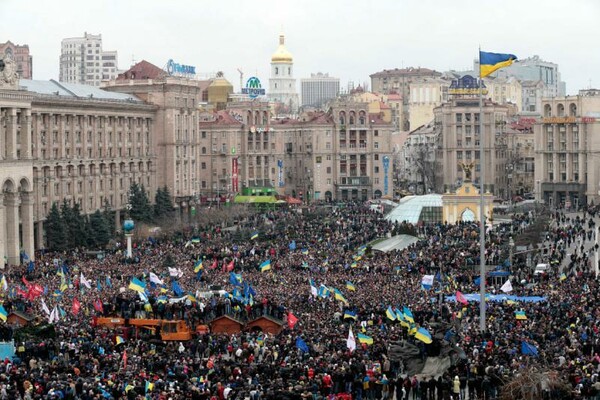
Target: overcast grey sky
point(349, 39)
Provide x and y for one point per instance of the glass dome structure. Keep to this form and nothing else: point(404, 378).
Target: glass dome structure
point(414, 209)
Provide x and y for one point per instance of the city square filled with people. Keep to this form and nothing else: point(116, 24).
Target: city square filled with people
point(343, 308)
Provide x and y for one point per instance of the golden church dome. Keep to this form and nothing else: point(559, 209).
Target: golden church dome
point(282, 54)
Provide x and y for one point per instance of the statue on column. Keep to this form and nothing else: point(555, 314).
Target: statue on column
point(467, 169)
point(8, 72)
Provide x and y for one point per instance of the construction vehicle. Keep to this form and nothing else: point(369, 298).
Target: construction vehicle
point(169, 330)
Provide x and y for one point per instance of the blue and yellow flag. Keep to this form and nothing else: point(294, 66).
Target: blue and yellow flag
point(254, 235)
point(3, 313)
point(119, 340)
point(350, 286)
point(408, 317)
point(339, 296)
point(305, 251)
point(390, 313)
point(362, 338)
point(563, 277)
point(136, 285)
point(265, 266)
point(520, 315)
point(490, 62)
point(350, 314)
point(423, 335)
point(198, 266)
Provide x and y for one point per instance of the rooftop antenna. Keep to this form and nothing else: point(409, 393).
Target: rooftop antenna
point(132, 60)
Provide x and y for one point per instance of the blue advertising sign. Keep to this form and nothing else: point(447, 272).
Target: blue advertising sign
point(386, 167)
point(253, 88)
point(178, 69)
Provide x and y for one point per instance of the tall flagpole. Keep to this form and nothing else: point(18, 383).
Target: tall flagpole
point(481, 207)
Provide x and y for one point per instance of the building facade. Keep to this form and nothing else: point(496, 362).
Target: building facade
point(417, 160)
point(20, 54)
point(425, 95)
point(177, 140)
point(399, 81)
point(458, 139)
point(319, 89)
point(567, 143)
point(67, 142)
point(534, 69)
point(83, 61)
point(344, 153)
point(282, 84)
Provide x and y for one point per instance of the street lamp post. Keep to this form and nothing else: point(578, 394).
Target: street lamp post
point(511, 247)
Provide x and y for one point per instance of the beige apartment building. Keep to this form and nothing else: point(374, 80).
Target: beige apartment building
point(67, 141)
point(567, 147)
point(457, 124)
point(176, 100)
point(341, 154)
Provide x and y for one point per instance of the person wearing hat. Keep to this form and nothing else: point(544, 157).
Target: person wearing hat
point(456, 387)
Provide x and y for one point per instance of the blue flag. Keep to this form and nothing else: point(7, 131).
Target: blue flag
point(292, 245)
point(235, 279)
point(199, 275)
point(528, 349)
point(30, 267)
point(98, 285)
point(176, 289)
point(301, 344)
point(108, 282)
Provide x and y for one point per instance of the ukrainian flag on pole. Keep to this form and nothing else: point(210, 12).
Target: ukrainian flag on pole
point(490, 62)
point(137, 285)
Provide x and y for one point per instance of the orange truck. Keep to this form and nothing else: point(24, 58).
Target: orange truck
point(176, 330)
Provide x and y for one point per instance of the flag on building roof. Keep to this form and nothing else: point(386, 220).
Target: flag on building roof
point(490, 62)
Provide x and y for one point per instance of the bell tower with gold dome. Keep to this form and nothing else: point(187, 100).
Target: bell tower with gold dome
point(282, 84)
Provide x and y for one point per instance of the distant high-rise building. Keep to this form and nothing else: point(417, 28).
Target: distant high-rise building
point(82, 60)
point(21, 56)
point(319, 89)
point(282, 85)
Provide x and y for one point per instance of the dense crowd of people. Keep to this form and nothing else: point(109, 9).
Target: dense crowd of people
point(320, 268)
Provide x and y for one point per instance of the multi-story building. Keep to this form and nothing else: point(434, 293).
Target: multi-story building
point(425, 95)
point(20, 54)
point(567, 148)
point(66, 141)
point(520, 158)
point(458, 135)
point(535, 69)
point(282, 84)
point(344, 153)
point(532, 93)
point(417, 162)
point(319, 89)
point(399, 81)
point(504, 90)
point(83, 61)
point(177, 140)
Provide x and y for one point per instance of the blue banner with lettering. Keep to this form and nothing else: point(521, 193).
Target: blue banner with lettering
point(280, 175)
point(386, 167)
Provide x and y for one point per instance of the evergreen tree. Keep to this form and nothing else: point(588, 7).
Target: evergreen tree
point(77, 228)
point(163, 206)
point(141, 209)
point(100, 230)
point(109, 218)
point(56, 231)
